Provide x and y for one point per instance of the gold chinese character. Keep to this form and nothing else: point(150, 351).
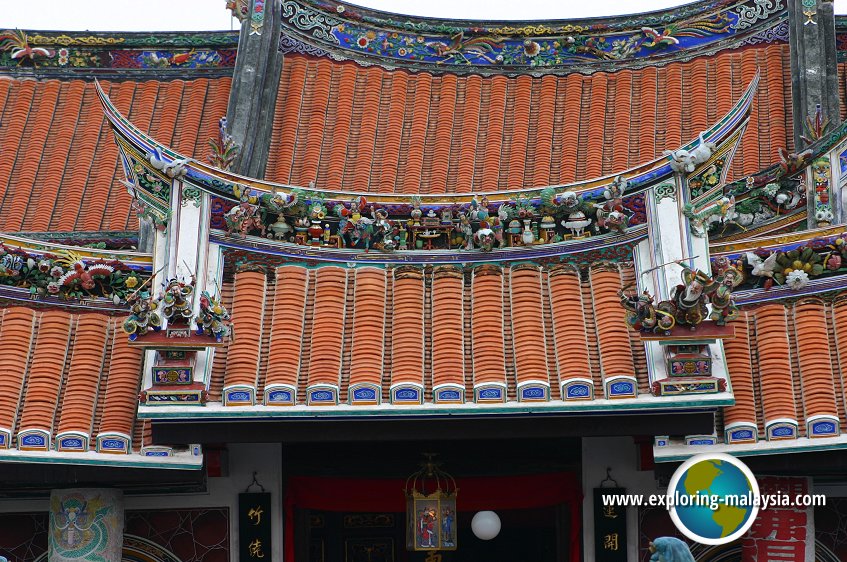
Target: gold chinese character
point(256, 549)
point(609, 512)
point(610, 542)
point(255, 513)
point(433, 557)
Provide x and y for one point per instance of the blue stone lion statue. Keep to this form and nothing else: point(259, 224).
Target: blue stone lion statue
point(670, 549)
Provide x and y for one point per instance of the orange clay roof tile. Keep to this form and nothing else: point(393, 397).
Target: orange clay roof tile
point(368, 309)
point(448, 327)
point(46, 372)
point(487, 326)
point(84, 372)
point(572, 353)
point(16, 335)
point(459, 331)
point(740, 365)
point(330, 311)
point(242, 360)
point(121, 396)
point(818, 386)
point(528, 325)
point(79, 370)
point(407, 359)
point(287, 328)
point(612, 333)
point(774, 363)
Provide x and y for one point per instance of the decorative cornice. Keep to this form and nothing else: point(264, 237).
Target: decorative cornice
point(437, 45)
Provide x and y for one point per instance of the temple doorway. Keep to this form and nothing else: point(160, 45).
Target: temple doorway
point(527, 535)
point(359, 514)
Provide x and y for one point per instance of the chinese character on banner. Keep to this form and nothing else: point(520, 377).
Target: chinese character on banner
point(254, 527)
point(609, 526)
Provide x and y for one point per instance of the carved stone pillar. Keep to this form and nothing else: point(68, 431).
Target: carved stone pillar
point(86, 524)
point(814, 72)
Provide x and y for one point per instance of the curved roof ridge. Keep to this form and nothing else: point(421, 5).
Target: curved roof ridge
point(377, 16)
point(344, 31)
point(225, 184)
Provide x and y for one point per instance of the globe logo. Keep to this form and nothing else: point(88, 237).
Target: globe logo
point(713, 498)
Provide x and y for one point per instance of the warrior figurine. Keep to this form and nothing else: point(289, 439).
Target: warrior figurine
point(213, 319)
point(690, 297)
point(143, 316)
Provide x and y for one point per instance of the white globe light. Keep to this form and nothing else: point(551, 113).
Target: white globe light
point(485, 525)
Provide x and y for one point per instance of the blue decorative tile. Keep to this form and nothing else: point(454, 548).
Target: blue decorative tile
point(533, 393)
point(490, 394)
point(782, 431)
point(112, 445)
point(406, 394)
point(448, 395)
point(821, 428)
point(72, 443)
point(364, 394)
point(239, 396)
point(322, 396)
point(279, 396)
point(578, 391)
point(743, 435)
point(32, 441)
point(621, 389)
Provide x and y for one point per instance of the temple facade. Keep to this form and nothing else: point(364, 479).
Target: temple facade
point(338, 285)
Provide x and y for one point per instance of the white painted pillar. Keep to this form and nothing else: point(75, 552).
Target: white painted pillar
point(181, 251)
point(670, 239)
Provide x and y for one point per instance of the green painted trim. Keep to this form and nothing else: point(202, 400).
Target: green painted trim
point(295, 412)
point(756, 453)
point(50, 459)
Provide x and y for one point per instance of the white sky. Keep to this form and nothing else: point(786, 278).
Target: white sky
point(185, 15)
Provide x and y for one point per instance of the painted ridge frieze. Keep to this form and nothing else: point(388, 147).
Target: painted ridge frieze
point(75, 53)
point(342, 31)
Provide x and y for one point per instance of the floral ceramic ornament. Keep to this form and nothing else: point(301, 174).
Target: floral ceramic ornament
point(85, 275)
point(796, 266)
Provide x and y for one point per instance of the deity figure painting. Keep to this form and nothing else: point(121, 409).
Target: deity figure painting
point(427, 529)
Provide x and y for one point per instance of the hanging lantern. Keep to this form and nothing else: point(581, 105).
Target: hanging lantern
point(430, 509)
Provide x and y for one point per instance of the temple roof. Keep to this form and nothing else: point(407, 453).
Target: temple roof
point(72, 395)
point(544, 339)
point(60, 170)
point(787, 373)
point(358, 129)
